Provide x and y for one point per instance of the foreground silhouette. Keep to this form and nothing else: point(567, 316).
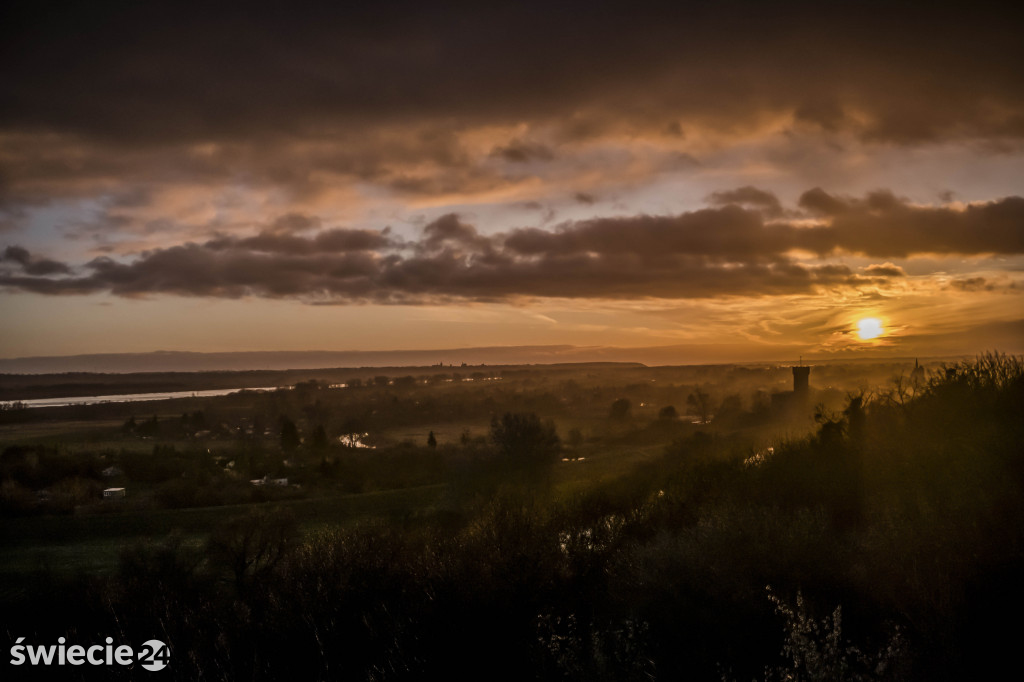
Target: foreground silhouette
point(892, 539)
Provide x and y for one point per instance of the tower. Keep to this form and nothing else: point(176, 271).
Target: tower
point(917, 375)
point(801, 376)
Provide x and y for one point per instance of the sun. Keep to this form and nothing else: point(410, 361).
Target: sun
point(869, 328)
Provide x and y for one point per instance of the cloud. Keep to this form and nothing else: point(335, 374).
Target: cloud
point(883, 225)
point(33, 266)
point(339, 65)
point(326, 241)
point(721, 251)
point(294, 222)
point(192, 270)
point(518, 151)
point(449, 106)
point(972, 284)
point(818, 200)
point(748, 196)
point(387, 94)
point(884, 270)
point(450, 230)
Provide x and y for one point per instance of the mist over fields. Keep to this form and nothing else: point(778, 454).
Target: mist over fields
point(829, 521)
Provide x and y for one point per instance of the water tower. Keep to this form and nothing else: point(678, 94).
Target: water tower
point(801, 376)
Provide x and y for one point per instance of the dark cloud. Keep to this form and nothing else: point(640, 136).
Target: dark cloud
point(885, 226)
point(722, 233)
point(519, 151)
point(300, 101)
point(165, 71)
point(326, 241)
point(450, 230)
point(727, 250)
point(885, 270)
point(825, 113)
point(193, 270)
point(748, 196)
point(39, 267)
point(17, 254)
point(818, 200)
point(972, 284)
point(294, 222)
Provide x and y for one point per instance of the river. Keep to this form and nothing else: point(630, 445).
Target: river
point(133, 397)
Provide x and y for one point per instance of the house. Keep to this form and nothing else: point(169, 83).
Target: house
point(113, 493)
point(266, 480)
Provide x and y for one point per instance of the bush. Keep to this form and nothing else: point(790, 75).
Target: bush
point(620, 409)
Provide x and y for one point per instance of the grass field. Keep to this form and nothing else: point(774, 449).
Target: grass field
point(91, 544)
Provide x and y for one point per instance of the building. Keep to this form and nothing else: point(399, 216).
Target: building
point(797, 399)
point(917, 376)
point(266, 480)
point(801, 378)
point(113, 493)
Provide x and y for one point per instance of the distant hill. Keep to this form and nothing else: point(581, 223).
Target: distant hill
point(179, 361)
point(1007, 337)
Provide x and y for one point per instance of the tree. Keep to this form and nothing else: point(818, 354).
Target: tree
point(620, 409)
point(150, 427)
point(855, 419)
point(319, 440)
point(431, 441)
point(289, 434)
point(352, 431)
point(253, 546)
point(700, 403)
point(668, 412)
point(524, 441)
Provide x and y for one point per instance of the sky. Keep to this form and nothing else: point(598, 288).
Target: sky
point(741, 179)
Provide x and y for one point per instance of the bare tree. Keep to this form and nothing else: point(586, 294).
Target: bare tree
point(700, 403)
point(253, 546)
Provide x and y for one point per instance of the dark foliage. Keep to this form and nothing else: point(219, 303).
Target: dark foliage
point(524, 441)
point(620, 409)
point(289, 434)
point(907, 513)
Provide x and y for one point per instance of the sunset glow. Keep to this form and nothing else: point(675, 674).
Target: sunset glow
point(409, 180)
point(869, 328)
